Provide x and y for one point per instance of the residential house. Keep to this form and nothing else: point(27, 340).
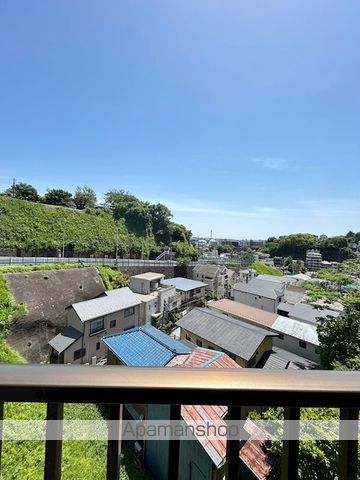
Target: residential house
point(190, 291)
point(279, 359)
point(295, 336)
point(156, 299)
point(142, 346)
point(262, 294)
point(219, 279)
point(305, 313)
point(87, 322)
point(211, 329)
point(247, 274)
point(202, 457)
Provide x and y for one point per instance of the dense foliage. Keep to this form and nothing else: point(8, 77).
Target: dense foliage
point(317, 458)
point(295, 246)
point(38, 229)
point(340, 337)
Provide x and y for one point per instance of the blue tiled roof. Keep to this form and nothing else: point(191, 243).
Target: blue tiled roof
point(145, 346)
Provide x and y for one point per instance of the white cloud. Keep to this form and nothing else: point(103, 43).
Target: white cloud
point(271, 163)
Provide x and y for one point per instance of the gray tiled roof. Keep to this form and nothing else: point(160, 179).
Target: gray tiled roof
point(183, 284)
point(234, 336)
point(306, 313)
point(66, 338)
point(263, 288)
point(279, 359)
point(114, 301)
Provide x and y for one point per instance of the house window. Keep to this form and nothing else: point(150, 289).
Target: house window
point(281, 336)
point(79, 353)
point(129, 311)
point(112, 323)
point(302, 344)
point(97, 345)
point(187, 337)
point(96, 325)
point(199, 343)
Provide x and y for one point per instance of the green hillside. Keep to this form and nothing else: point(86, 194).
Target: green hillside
point(35, 228)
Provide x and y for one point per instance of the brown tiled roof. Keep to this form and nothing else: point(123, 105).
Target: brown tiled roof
point(245, 312)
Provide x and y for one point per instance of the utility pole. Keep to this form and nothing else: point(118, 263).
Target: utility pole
point(116, 247)
point(63, 244)
point(13, 187)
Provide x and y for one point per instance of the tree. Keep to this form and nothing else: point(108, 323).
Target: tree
point(161, 219)
point(340, 337)
point(318, 459)
point(57, 196)
point(23, 191)
point(84, 197)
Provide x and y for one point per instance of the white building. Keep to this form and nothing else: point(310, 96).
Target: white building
point(261, 294)
point(155, 298)
point(190, 291)
point(89, 321)
point(313, 260)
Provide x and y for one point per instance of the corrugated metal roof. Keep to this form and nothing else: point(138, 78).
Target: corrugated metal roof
point(252, 453)
point(114, 301)
point(295, 328)
point(235, 336)
point(66, 338)
point(263, 288)
point(144, 346)
point(256, 315)
point(183, 284)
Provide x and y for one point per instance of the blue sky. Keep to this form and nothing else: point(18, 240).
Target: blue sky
point(242, 116)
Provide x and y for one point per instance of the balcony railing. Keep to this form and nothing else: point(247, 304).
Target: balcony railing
point(114, 385)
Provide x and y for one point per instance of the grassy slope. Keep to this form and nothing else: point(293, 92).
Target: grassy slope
point(262, 269)
point(27, 225)
point(81, 460)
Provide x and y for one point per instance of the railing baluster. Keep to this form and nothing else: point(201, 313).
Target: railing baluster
point(233, 447)
point(174, 446)
point(348, 449)
point(114, 442)
point(53, 448)
point(1, 429)
point(290, 451)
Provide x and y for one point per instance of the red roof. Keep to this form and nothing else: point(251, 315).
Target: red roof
point(252, 453)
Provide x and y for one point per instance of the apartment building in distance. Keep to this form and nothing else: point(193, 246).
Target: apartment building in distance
point(313, 260)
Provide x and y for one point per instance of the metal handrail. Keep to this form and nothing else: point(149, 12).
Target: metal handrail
point(112, 384)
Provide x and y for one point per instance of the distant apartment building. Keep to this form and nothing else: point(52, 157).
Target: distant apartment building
point(190, 291)
point(262, 294)
point(219, 279)
point(87, 322)
point(313, 260)
point(156, 299)
point(247, 274)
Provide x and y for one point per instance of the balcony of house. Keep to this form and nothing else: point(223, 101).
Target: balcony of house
point(114, 386)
